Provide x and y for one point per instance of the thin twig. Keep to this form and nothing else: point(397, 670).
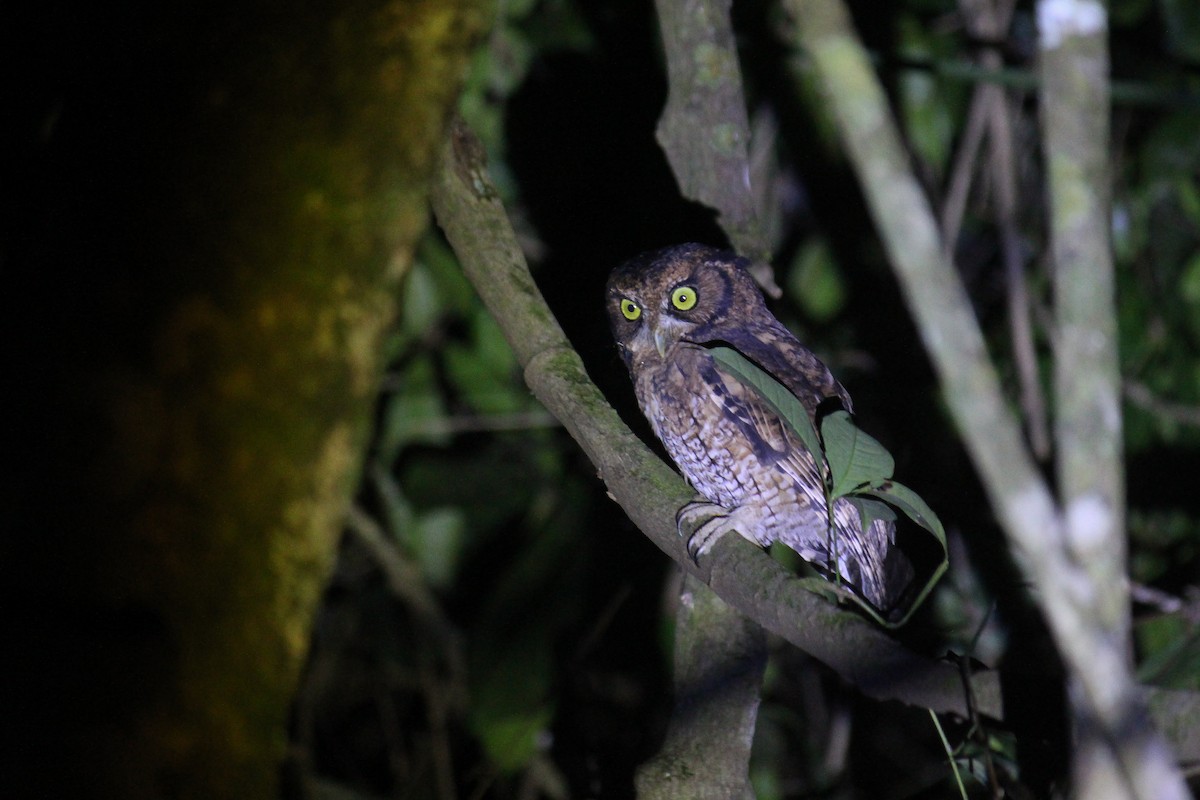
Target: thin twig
point(1020, 324)
point(988, 20)
point(404, 579)
point(403, 576)
point(1144, 398)
point(1163, 602)
point(434, 688)
point(964, 168)
point(978, 729)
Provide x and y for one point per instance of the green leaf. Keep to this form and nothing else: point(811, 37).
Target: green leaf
point(776, 395)
point(919, 512)
point(486, 372)
point(911, 504)
point(860, 470)
point(511, 689)
point(494, 352)
point(512, 741)
point(1170, 647)
point(927, 104)
point(1188, 196)
point(815, 283)
point(416, 413)
point(439, 538)
point(870, 510)
point(832, 592)
point(454, 292)
point(421, 306)
point(855, 459)
point(1189, 281)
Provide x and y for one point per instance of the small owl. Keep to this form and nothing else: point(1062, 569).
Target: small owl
point(754, 474)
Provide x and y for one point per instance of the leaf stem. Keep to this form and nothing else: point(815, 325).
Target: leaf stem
point(962, 790)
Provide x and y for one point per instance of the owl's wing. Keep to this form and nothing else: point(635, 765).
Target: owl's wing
point(774, 445)
point(861, 554)
point(775, 349)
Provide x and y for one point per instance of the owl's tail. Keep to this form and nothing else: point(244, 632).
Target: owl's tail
point(872, 564)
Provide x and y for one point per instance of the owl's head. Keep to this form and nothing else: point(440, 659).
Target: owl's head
point(686, 293)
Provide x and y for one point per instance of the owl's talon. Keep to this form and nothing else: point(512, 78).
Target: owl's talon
point(702, 523)
point(706, 536)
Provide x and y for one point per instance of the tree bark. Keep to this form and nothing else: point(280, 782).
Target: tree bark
point(217, 217)
point(704, 129)
point(719, 661)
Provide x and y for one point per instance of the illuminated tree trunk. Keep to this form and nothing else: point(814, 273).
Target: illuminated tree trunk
point(218, 205)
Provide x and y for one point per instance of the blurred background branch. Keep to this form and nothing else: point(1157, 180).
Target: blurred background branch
point(1087, 612)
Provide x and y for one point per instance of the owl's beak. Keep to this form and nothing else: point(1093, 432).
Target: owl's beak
point(661, 343)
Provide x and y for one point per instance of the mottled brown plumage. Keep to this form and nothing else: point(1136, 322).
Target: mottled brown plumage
point(753, 473)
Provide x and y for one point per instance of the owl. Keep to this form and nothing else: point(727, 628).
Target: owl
point(753, 473)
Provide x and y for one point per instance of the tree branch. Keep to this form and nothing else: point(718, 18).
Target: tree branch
point(1144, 398)
point(704, 129)
point(470, 213)
point(648, 490)
point(720, 657)
point(1074, 107)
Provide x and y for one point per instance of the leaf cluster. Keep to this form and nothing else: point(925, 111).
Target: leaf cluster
point(853, 465)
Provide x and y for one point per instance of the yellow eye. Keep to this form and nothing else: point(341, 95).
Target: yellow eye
point(683, 298)
point(630, 309)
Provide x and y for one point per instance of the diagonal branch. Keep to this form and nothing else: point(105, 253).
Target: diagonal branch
point(649, 491)
point(932, 287)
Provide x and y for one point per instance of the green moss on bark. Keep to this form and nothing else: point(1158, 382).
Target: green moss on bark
point(225, 384)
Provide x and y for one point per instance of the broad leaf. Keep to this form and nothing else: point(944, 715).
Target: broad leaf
point(855, 459)
point(778, 396)
point(870, 510)
point(916, 509)
point(859, 469)
point(911, 504)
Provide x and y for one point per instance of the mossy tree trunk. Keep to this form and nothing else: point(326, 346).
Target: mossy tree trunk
point(218, 203)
